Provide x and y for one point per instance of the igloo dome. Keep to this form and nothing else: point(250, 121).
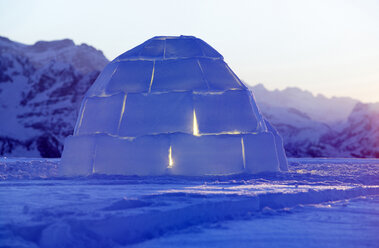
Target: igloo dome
point(171, 106)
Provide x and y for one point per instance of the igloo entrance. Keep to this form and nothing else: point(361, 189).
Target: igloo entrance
point(171, 105)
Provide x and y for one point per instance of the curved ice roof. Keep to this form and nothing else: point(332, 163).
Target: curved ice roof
point(166, 64)
point(171, 47)
point(169, 85)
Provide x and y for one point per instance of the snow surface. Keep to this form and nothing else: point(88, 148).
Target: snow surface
point(317, 203)
point(349, 223)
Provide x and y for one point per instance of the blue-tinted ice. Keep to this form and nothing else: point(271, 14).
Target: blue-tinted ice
point(171, 106)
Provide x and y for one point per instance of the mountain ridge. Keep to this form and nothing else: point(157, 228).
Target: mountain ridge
point(41, 91)
point(316, 106)
point(83, 57)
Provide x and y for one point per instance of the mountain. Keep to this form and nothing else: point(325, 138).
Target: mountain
point(360, 133)
point(41, 87)
point(83, 58)
point(292, 113)
point(302, 136)
point(317, 107)
point(317, 126)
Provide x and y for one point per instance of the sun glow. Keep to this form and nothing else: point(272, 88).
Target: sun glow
point(243, 153)
point(81, 116)
point(122, 112)
point(195, 126)
point(152, 77)
point(170, 161)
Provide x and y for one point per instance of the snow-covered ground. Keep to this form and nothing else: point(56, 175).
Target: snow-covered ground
point(318, 203)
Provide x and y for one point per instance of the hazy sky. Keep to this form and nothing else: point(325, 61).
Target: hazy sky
point(329, 47)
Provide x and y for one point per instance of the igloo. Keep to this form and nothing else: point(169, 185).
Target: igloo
point(171, 106)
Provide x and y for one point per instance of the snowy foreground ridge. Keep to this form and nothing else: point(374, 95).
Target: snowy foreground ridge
point(317, 203)
point(171, 106)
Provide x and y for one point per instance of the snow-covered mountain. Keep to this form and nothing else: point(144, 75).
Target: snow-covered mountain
point(302, 136)
point(317, 126)
point(316, 107)
point(83, 58)
point(359, 136)
point(41, 87)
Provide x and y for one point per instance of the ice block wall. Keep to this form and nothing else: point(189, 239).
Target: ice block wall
point(171, 106)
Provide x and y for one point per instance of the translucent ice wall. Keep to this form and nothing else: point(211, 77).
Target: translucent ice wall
point(170, 105)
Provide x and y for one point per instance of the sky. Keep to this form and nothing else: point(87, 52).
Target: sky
point(324, 46)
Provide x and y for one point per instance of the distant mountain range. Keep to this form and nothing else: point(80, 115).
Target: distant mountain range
point(41, 87)
point(319, 108)
point(359, 135)
point(317, 126)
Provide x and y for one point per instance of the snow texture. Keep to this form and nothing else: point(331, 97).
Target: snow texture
point(314, 203)
point(171, 106)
